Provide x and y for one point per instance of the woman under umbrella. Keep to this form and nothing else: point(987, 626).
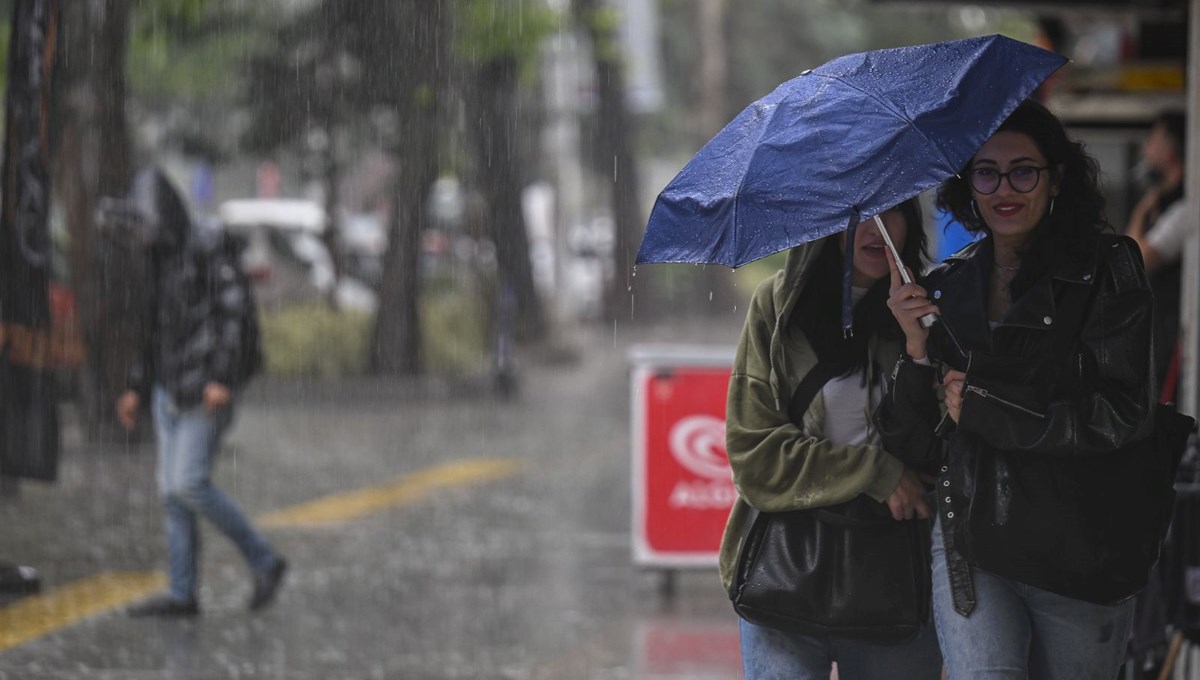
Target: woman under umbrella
point(828, 453)
point(1049, 377)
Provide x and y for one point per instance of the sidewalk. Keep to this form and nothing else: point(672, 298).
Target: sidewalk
point(523, 574)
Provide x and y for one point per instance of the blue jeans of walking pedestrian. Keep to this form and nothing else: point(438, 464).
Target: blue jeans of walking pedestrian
point(769, 654)
point(187, 446)
point(1018, 632)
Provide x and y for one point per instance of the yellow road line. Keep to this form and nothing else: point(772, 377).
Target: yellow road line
point(341, 507)
point(39, 615)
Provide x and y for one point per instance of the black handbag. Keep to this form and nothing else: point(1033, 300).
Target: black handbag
point(1099, 546)
point(848, 570)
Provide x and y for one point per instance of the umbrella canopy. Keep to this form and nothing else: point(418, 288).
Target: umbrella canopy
point(839, 143)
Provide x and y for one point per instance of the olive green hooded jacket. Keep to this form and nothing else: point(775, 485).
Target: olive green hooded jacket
point(778, 466)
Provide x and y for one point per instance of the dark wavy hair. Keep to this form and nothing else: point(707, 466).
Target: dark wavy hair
point(818, 312)
point(1078, 210)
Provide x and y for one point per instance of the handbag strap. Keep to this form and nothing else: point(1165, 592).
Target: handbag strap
point(802, 397)
point(806, 391)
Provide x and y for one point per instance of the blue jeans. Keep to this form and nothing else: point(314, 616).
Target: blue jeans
point(187, 446)
point(769, 654)
point(1017, 631)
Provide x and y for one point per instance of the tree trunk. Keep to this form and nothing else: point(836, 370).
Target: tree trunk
point(616, 134)
point(331, 177)
point(396, 342)
point(396, 339)
point(500, 178)
point(710, 22)
point(92, 160)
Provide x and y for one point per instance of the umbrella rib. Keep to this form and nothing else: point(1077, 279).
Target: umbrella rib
point(737, 196)
point(885, 105)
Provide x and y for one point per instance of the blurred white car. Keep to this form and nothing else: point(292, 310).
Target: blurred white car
point(589, 266)
point(285, 255)
point(364, 239)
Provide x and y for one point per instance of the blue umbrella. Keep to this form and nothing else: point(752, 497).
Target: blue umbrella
point(839, 143)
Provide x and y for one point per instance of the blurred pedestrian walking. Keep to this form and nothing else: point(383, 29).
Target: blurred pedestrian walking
point(200, 347)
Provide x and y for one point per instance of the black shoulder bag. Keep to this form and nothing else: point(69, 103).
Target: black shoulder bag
point(848, 570)
point(1113, 511)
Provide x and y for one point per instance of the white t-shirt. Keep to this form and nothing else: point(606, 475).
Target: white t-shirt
point(847, 411)
point(1170, 231)
point(847, 414)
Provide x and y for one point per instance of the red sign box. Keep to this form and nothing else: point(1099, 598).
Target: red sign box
point(682, 485)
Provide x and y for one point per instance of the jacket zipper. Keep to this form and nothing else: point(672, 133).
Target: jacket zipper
point(988, 395)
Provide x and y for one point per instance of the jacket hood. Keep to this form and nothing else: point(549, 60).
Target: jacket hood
point(789, 284)
point(162, 214)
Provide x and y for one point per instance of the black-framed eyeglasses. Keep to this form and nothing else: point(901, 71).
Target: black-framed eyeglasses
point(1023, 179)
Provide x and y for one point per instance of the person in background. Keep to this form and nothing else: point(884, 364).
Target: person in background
point(1159, 226)
point(830, 453)
point(188, 371)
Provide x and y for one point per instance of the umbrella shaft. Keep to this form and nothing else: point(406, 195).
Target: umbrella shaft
point(927, 320)
point(887, 238)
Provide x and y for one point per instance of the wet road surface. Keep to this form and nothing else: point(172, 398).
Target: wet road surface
point(434, 531)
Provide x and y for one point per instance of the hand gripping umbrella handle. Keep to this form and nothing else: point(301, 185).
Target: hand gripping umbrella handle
point(929, 319)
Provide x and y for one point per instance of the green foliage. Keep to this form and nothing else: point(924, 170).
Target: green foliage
point(424, 95)
point(603, 24)
point(313, 341)
point(162, 70)
point(188, 49)
point(183, 65)
point(177, 16)
point(747, 278)
point(330, 63)
point(489, 30)
point(455, 332)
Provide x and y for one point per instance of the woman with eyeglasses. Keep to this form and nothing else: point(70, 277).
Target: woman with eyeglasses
point(1043, 355)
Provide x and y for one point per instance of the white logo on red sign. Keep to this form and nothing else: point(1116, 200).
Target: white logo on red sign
point(698, 444)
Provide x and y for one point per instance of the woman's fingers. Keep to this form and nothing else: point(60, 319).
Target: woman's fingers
point(906, 291)
point(909, 296)
point(909, 303)
point(907, 500)
point(915, 307)
point(953, 381)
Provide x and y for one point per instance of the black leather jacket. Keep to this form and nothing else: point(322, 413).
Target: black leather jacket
point(1045, 413)
point(194, 311)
